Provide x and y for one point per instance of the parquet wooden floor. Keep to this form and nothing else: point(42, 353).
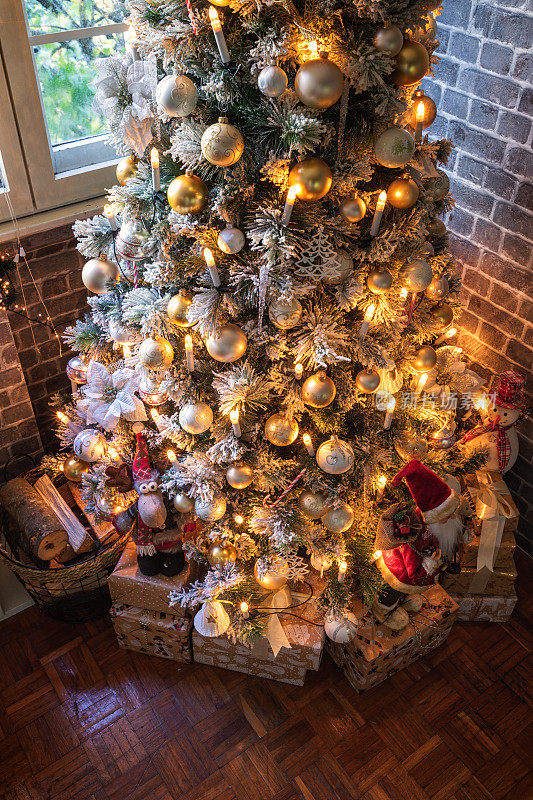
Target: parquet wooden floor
point(82, 720)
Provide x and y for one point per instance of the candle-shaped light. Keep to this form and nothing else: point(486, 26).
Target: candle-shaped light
point(343, 566)
point(378, 213)
point(238, 519)
point(171, 455)
point(244, 610)
point(130, 37)
point(156, 416)
point(313, 49)
point(308, 444)
point(108, 211)
point(446, 335)
point(420, 112)
point(369, 315)
point(211, 266)
point(219, 35)
point(382, 482)
point(126, 350)
point(403, 294)
point(391, 405)
point(154, 161)
point(423, 379)
point(299, 371)
point(189, 357)
point(234, 419)
point(292, 194)
point(62, 417)
point(376, 554)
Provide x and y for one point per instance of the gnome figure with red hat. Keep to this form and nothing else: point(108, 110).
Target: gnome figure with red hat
point(498, 434)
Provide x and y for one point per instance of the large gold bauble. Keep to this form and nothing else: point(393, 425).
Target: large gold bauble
point(394, 147)
point(274, 578)
point(285, 314)
point(183, 503)
point(211, 510)
point(368, 381)
point(74, 467)
point(425, 359)
point(436, 228)
point(416, 275)
point(441, 315)
point(318, 390)
point(280, 430)
point(430, 109)
point(339, 270)
point(379, 281)
point(126, 169)
point(339, 519)
point(314, 177)
point(313, 505)
point(98, 275)
point(353, 209)
point(222, 144)
point(389, 40)
point(220, 554)
point(196, 418)
point(438, 289)
point(239, 476)
point(335, 456)
point(402, 193)
point(319, 82)
point(187, 194)
point(409, 445)
point(412, 63)
point(228, 345)
point(177, 308)
point(156, 353)
point(438, 187)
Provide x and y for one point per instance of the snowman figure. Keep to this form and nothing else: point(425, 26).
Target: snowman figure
point(498, 434)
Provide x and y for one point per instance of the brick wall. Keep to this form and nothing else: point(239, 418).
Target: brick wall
point(482, 87)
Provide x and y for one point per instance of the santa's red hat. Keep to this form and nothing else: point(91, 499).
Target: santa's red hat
point(433, 497)
point(141, 463)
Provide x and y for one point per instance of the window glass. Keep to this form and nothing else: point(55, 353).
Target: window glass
point(66, 15)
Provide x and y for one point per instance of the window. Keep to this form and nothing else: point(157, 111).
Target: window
point(51, 140)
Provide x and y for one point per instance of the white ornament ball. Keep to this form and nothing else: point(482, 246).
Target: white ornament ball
point(231, 240)
point(196, 417)
point(89, 445)
point(176, 95)
point(183, 503)
point(320, 562)
point(122, 334)
point(285, 314)
point(342, 628)
point(339, 519)
point(222, 144)
point(98, 275)
point(156, 353)
point(335, 456)
point(211, 510)
point(340, 271)
point(272, 81)
point(275, 577)
point(228, 345)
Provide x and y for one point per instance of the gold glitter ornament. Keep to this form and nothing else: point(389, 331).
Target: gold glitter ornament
point(196, 418)
point(409, 445)
point(285, 314)
point(211, 510)
point(416, 275)
point(156, 353)
point(335, 456)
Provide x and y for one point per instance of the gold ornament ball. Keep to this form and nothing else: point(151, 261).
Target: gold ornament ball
point(274, 578)
point(353, 209)
point(280, 430)
point(222, 144)
point(339, 519)
point(368, 381)
point(442, 315)
point(211, 510)
point(409, 446)
point(177, 309)
point(389, 40)
point(416, 275)
point(156, 353)
point(438, 288)
point(313, 505)
point(183, 503)
point(228, 345)
point(314, 177)
point(187, 194)
point(74, 467)
point(285, 314)
point(220, 554)
point(425, 359)
point(318, 390)
point(430, 110)
point(339, 270)
point(239, 476)
point(379, 281)
point(439, 186)
point(412, 63)
point(436, 228)
point(394, 148)
point(98, 275)
point(126, 169)
point(319, 83)
point(195, 418)
point(335, 456)
point(402, 193)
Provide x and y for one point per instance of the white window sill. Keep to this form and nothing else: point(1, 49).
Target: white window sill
point(45, 220)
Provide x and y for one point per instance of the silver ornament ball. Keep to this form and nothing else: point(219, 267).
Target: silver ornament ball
point(228, 345)
point(98, 275)
point(176, 95)
point(231, 240)
point(239, 476)
point(272, 81)
point(196, 418)
point(339, 519)
point(156, 353)
point(335, 456)
point(211, 510)
point(285, 314)
point(394, 147)
point(183, 503)
point(90, 445)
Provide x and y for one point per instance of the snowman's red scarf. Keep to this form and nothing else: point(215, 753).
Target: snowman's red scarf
point(503, 445)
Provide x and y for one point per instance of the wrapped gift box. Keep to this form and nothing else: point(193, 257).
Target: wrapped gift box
point(129, 586)
point(504, 557)
point(483, 583)
point(153, 633)
point(490, 500)
point(377, 652)
point(485, 609)
point(288, 666)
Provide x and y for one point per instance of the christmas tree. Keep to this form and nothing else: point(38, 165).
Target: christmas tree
point(272, 293)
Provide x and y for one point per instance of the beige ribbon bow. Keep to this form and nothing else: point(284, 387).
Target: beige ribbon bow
point(492, 508)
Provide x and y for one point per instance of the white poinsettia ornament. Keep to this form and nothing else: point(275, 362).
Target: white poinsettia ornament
point(109, 396)
point(450, 375)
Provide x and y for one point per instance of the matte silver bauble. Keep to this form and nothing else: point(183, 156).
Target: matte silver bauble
point(313, 505)
point(272, 81)
point(281, 430)
point(222, 144)
point(338, 271)
point(318, 390)
point(379, 281)
point(228, 345)
point(425, 359)
point(368, 381)
point(319, 83)
point(196, 418)
point(122, 334)
point(176, 95)
point(394, 147)
point(416, 275)
point(389, 40)
point(231, 240)
point(98, 276)
point(90, 445)
point(335, 456)
point(183, 503)
point(339, 519)
point(353, 209)
point(211, 510)
point(239, 476)
point(439, 288)
point(156, 353)
point(285, 314)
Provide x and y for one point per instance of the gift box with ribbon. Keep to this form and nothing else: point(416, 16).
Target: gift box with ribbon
point(471, 582)
point(478, 608)
point(377, 652)
point(496, 518)
point(153, 633)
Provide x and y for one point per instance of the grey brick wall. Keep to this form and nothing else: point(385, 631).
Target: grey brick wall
point(482, 87)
